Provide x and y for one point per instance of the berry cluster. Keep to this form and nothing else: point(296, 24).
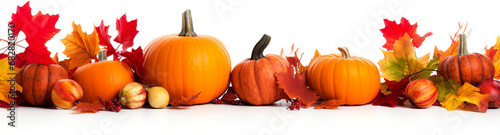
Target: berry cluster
point(296, 103)
point(235, 102)
point(113, 106)
point(217, 101)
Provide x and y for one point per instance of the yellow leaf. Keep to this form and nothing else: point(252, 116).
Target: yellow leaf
point(5, 75)
point(467, 93)
point(80, 47)
point(56, 58)
point(496, 61)
point(316, 54)
point(402, 61)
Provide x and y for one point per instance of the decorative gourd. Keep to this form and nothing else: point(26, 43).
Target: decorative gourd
point(103, 78)
point(253, 79)
point(187, 64)
point(352, 80)
point(465, 67)
point(37, 81)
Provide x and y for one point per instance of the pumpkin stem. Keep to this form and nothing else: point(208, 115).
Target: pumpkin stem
point(345, 52)
point(102, 55)
point(259, 48)
point(462, 45)
point(187, 24)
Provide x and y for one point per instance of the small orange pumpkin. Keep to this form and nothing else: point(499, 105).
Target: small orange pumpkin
point(187, 64)
point(103, 78)
point(37, 81)
point(352, 80)
point(465, 67)
point(253, 79)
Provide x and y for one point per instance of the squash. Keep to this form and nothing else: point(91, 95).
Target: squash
point(351, 80)
point(465, 67)
point(187, 64)
point(37, 81)
point(253, 79)
point(103, 78)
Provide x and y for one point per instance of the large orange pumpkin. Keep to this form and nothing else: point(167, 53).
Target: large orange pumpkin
point(253, 79)
point(352, 80)
point(187, 64)
point(465, 67)
point(37, 81)
point(103, 78)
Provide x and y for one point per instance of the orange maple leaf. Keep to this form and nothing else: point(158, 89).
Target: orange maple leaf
point(183, 101)
point(453, 49)
point(81, 47)
point(329, 104)
point(88, 107)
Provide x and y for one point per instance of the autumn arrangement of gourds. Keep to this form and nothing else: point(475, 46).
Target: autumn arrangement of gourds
point(189, 69)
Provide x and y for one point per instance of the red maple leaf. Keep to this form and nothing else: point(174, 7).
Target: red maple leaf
point(126, 32)
point(490, 52)
point(134, 60)
point(394, 31)
point(183, 101)
point(397, 94)
point(38, 30)
point(88, 107)
point(34, 54)
point(104, 38)
point(3, 55)
point(229, 95)
point(294, 84)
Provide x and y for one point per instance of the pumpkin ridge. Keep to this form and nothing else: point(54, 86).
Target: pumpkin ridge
point(482, 66)
point(459, 71)
point(323, 76)
point(202, 48)
point(255, 78)
point(48, 96)
point(219, 58)
point(33, 86)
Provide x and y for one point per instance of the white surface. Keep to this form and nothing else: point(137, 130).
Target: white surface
point(248, 120)
point(323, 25)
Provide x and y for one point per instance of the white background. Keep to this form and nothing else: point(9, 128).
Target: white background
point(323, 25)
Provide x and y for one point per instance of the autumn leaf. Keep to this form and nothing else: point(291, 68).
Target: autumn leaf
point(294, 83)
point(444, 86)
point(104, 38)
point(5, 79)
point(33, 54)
point(395, 96)
point(134, 60)
point(453, 49)
point(38, 28)
point(229, 95)
point(394, 31)
point(183, 101)
point(466, 94)
point(429, 68)
point(402, 61)
point(80, 47)
point(329, 104)
point(85, 107)
point(126, 32)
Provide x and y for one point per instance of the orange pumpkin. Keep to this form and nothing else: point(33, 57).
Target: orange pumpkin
point(37, 81)
point(253, 79)
point(103, 78)
point(187, 64)
point(352, 80)
point(465, 67)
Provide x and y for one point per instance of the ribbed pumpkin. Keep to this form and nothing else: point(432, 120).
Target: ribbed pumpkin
point(253, 79)
point(354, 80)
point(186, 64)
point(465, 67)
point(103, 78)
point(37, 81)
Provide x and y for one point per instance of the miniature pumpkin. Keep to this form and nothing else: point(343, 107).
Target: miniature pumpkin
point(103, 78)
point(37, 81)
point(465, 67)
point(352, 80)
point(187, 64)
point(253, 79)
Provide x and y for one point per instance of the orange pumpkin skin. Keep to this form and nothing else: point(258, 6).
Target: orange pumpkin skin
point(188, 64)
point(253, 79)
point(464, 67)
point(104, 79)
point(37, 81)
point(354, 80)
